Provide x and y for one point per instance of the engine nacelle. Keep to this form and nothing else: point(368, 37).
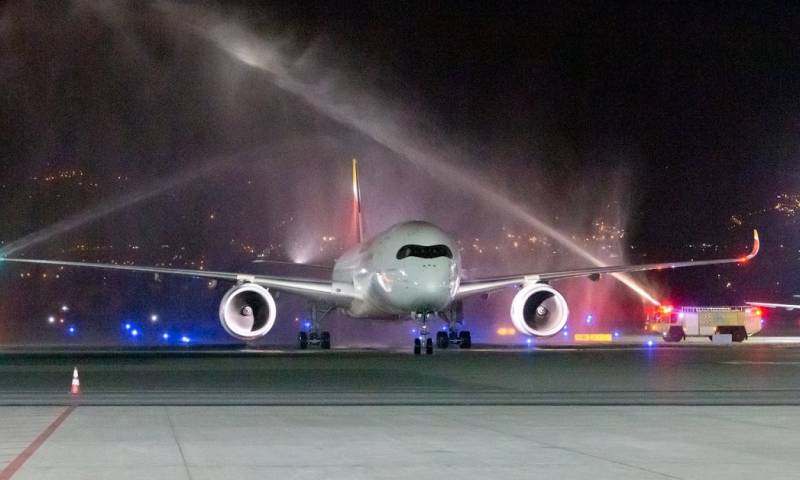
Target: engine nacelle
point(539, 309)
point(247, 311)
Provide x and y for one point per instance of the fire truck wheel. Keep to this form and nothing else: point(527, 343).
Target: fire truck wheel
point(739, 334)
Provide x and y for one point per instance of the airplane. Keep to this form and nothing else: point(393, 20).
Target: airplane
point(411, 269)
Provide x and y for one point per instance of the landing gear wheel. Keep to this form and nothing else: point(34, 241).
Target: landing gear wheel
point(417, 346)
point(442, 340)
point(325, 340)
point(302, 340)
point(466, 339)
point(429, 346)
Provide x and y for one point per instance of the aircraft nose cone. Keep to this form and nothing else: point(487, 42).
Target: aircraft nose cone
point(430, 294)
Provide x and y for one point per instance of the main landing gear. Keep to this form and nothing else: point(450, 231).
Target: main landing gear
point(314, 336)
point(462, 339)
point(454, 317)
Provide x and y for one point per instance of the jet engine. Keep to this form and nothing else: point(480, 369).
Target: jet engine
point(247, 311)
point(539, 309)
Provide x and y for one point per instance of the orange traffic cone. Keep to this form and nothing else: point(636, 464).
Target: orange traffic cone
point(76, 383)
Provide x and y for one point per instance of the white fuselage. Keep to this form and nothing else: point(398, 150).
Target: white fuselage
point(413, 267)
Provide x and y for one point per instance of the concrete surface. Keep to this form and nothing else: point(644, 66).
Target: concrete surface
point(705, 413)
point(386, 442)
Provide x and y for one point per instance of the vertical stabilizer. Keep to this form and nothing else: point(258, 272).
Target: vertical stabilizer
point(359, 219)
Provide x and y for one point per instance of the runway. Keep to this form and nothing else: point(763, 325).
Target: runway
point(689, 412)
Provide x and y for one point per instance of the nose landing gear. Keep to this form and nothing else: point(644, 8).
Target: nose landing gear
point(424, 334)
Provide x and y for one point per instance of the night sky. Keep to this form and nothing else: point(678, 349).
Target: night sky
point(666, 119)
point(702, 101)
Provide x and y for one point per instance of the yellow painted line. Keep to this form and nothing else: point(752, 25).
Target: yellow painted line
point(593, 337)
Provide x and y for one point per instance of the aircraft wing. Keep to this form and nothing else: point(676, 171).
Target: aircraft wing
point(773, 305)
point(471, 287)
point(318, 289)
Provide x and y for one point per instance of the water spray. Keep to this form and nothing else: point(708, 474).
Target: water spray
point(253, 52)
point(138, 196)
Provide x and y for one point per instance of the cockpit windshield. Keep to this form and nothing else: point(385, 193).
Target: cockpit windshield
point(432, 251)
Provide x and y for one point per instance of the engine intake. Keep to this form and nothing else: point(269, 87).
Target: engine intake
point(247, 311)
point(539, 309)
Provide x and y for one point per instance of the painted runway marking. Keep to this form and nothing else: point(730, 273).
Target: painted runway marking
point(23, 457)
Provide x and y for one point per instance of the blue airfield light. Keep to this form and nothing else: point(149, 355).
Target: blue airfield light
point(185, 339)
point(127, 326)
point(649, 343)
point(589, 318)
point(165, 336)
point(135, 332)
point(529, 341)
point(565, 333)
point(308, 324)
point(616, 334)
point(72, 330)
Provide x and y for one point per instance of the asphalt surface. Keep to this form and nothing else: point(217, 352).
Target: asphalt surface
point(747, 374)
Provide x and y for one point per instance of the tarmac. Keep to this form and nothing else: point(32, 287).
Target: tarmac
point(685, 411)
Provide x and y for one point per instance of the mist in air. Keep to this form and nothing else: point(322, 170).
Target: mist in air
point(170, 134)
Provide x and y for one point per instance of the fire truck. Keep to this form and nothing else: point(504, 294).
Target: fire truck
point(675, 324)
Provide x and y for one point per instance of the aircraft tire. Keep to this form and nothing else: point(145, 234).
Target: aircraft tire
point(442, 340)
point(466, 339)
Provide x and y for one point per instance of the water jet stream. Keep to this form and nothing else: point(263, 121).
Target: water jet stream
point(95, 213)
point(370, 121)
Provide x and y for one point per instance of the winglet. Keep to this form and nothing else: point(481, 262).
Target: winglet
point(756, 247)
